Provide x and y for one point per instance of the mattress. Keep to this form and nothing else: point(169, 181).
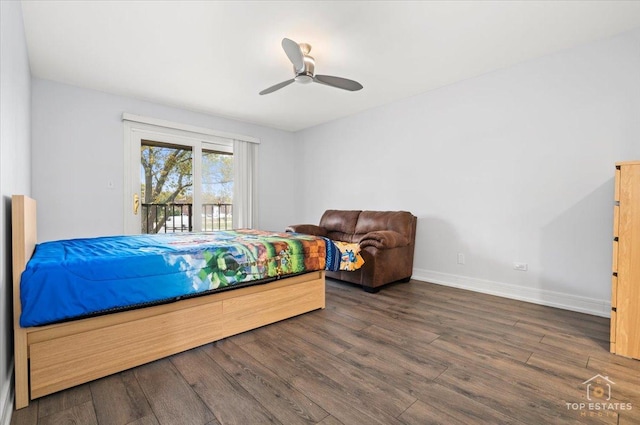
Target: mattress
point(77, 278)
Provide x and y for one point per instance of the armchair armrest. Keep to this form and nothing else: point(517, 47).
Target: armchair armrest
point(384, 239)
point(307, 229)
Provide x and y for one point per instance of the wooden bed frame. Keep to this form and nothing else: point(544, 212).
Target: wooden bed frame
point(55, 357)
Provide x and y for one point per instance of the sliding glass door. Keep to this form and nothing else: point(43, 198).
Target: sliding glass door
point(181, 178)
point(179, 184)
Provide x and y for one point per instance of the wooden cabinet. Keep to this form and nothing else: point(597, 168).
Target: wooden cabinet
point(625, 282)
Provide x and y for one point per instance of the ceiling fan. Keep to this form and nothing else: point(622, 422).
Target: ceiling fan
point(304, 69)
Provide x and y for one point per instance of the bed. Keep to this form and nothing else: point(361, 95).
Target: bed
point(54, 357)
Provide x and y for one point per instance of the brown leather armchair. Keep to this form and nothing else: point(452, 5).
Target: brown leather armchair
point(386, 238)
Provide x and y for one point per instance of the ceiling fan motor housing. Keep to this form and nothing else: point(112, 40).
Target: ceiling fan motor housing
point(306, 75)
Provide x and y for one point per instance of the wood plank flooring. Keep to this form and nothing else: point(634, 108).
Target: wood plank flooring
point(414, 353)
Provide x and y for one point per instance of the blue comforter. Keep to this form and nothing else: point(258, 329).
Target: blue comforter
point(81, 277)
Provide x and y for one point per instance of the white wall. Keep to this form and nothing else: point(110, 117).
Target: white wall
point(15, 170)
point(515, 165)
point(78, 149)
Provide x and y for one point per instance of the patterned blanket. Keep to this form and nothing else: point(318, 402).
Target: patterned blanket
point(76, 278)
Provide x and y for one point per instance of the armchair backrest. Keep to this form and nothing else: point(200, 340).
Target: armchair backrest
point(351, 225)
point(402, 222)
point(340, 224)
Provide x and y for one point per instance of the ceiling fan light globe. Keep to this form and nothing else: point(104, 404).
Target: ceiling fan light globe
point(303, 79)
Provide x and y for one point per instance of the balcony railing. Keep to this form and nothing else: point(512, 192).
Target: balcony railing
point(171, 218)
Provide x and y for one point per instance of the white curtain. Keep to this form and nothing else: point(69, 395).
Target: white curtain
point(245, 191)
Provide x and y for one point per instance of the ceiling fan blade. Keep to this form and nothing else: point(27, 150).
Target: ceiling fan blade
point(338, 82)
point(277, 86)
point(294, 53)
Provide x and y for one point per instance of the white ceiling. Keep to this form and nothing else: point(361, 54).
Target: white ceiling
point(215, 57)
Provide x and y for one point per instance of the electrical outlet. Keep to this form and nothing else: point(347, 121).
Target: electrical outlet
point(523, 267)
point(460, 258)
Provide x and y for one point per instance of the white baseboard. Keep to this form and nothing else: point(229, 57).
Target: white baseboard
point(545, 297)
point(6, 401)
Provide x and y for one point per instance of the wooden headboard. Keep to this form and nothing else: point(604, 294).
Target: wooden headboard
point(23, 237)
point(23, 243)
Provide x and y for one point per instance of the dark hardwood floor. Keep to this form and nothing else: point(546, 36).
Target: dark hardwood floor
point(414, 353)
